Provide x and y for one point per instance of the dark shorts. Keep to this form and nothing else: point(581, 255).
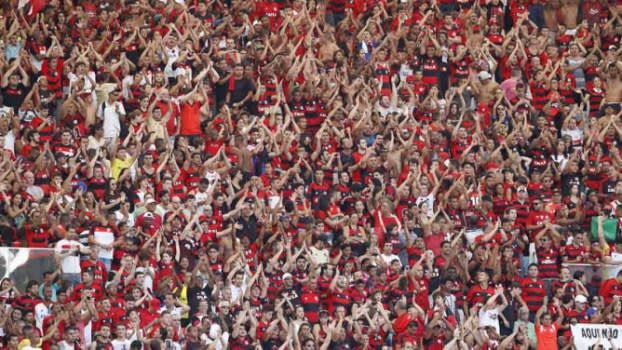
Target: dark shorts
point(616, 108)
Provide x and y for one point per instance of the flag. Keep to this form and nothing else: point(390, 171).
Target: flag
point(31, 8)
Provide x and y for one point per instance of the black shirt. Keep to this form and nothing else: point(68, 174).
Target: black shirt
point(195, 295)
point(14, 96)
point(241, 89)
point(293, 294)
point(271, 344)
point(7, 235)
point(342, 345)
point(249, 227)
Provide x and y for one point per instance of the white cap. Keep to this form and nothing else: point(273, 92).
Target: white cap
point(580, 298)
point(483, 75)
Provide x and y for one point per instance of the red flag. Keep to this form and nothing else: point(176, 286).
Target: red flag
point(31, 8)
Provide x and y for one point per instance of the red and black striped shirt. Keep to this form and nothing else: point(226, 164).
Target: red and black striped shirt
point(533, 293)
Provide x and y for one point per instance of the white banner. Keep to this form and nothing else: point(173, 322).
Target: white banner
point(587, 335)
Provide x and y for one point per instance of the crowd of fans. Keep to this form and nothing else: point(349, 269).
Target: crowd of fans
point(304, 174)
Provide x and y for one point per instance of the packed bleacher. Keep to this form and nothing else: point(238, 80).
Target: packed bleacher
point(310, 174)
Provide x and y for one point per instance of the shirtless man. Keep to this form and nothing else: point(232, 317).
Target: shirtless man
point(484, 87)
point(613, 93)
point(244, 155)
point(570, 13)
point(551, 9)
point(328, 47)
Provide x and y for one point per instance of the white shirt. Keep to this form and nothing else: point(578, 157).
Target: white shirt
point(237, 292)
point(388, 258)
point(36, 192)
point(88, 331)
point(200, 197)
point(95, 144)
point(176, 311)
point(320, 256)
point(121, 344)
point(489, 318)
point(428, 198)
point(104, 236)
point(71, 263)
point(450, 302)
point(183, 71)
point(576, 135)
point(134, 335)
point(173, 55)
point(111, 113)
point(5, 111)
point(119, 217)
point(212, 176)
point(9, 141)
point(41, 312)
point(87, 86)
point(30, 348)
point(65, 346)
point(384, 111)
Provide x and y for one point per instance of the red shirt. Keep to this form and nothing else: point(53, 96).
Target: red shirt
point(98, 268)
point(190, 119)
point(609, 289)
point(477, 294)
point(96, 288)
point(538, 218)
point(422, 295)
point(533, 293)
point(547, 336)
point(400, 324)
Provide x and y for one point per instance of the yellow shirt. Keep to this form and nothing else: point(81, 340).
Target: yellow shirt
point(118, 165)
point(26, 342)
point(183, 298)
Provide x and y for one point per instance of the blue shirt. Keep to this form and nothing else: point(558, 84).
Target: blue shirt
point(11, 52)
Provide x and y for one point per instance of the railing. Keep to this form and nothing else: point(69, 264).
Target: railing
point(605, 271)
point(24, 264)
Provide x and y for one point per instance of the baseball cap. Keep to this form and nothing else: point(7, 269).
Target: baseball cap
point(483, 75)
point(580, 299)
